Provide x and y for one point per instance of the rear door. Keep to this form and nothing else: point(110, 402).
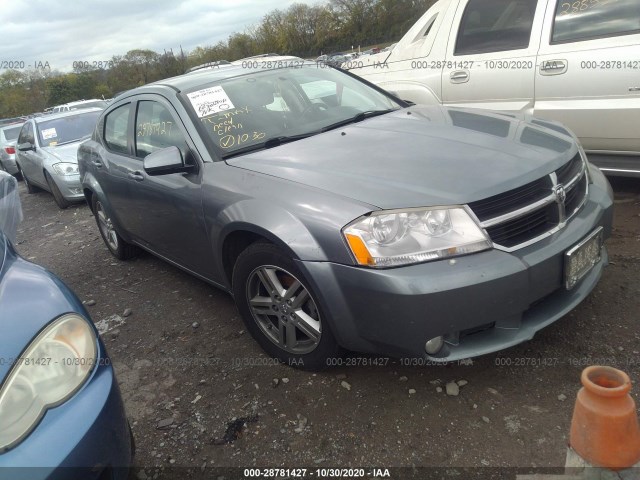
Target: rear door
point(589, 72)
point(112, 164)
point(491, 54)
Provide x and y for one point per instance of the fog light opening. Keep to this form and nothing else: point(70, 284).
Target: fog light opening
point(434, 345)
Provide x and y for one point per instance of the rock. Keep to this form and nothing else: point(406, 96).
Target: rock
point(435, 382)
point(114, 334)
point(197, 399)
point(127, 312)
point(475, 405)
point(89, 303)
point(403, 379)
point(485, 419)
point(462, 383)
point(493, 391)
point(164, 424)
point(341, 376)
point(452, 389)
point(285, 380)
point(195, 324)
point(346, 385)
point(275, 382)
point(562, 397)
point(412, 391)
point(439, 389)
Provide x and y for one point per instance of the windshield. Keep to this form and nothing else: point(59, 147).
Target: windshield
point(67, 129)
point(11, 133)
point(244, 113)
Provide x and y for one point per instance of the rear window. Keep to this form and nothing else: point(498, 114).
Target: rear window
point(11, 133)
point(495, 26)
point(586, 19)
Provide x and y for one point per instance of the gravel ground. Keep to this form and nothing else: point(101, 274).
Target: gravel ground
point(200, 392)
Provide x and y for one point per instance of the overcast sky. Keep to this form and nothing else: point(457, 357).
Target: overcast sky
point(63, 31)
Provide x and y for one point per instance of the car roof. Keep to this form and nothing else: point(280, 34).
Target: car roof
point(70, 113)
point(206, 76)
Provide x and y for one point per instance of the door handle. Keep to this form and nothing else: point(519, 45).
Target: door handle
point(553, 67)
point(97, 163)
point(137, 176)
point(459, 76)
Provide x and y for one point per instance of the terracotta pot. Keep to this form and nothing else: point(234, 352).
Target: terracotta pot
point(604, 428)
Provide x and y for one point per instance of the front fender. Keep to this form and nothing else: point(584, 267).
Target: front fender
point(273, 222)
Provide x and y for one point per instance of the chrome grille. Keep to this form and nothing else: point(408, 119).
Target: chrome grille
point(526, 214)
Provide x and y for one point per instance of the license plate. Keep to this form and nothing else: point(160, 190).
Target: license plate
point(580, 259)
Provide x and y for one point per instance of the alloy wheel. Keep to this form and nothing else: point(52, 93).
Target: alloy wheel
point(284, 310)
point(106, 227)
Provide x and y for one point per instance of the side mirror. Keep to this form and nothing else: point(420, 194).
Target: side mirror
point(165, 161)
point(26, 147)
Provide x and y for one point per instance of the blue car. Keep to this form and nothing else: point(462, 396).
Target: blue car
point(61, 413)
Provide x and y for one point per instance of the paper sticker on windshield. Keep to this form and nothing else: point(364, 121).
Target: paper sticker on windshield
point(210, 100)
point(48, 133)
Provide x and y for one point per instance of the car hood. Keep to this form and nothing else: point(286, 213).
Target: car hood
point(64, 153)
point(421, 156)
point(30, 298)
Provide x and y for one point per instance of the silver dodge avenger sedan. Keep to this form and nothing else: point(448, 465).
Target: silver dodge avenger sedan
point(340, 217)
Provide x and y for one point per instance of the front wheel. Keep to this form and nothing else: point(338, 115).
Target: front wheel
point(55, 191)
point(280, 310)
point(27, 183)
point(114, 242)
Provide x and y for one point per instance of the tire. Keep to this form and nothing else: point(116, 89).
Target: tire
point(30, 188)
point(284, 317)
point(114, 242)
point(62, 202)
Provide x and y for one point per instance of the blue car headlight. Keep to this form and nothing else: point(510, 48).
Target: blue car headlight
point(50, 371)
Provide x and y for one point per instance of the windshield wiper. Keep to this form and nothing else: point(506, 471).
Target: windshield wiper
point(270, 143)
point(358, 118)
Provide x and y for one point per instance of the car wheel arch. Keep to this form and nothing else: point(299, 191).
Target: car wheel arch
point(239, 239)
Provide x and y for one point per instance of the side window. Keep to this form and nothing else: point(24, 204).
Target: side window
point(156, 129)
point(495, 26)
point(577, 20)
point(26, 134)
point(116, 129)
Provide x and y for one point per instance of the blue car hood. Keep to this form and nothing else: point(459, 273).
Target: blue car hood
point(421, 156)
point(30, 298)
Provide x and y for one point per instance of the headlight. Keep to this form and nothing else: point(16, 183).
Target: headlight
point(402, 237)
point(52, 368)
point(64, 168)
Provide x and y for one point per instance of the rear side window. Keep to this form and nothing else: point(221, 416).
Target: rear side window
point(156, 129)
point(116, 129)
point(577, 20)
point(495, 26)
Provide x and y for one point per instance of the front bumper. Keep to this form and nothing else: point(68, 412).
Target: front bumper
point(77, 440)
point(481, 303)
point(69, 186)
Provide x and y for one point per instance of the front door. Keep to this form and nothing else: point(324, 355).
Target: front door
point(166, 210)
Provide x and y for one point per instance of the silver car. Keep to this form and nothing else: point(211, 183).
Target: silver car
point(8, 137)
point(46, 153)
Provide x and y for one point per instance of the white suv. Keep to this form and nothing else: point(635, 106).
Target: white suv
point(574, 61)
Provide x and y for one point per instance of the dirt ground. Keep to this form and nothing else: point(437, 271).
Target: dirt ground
point(200, 392)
